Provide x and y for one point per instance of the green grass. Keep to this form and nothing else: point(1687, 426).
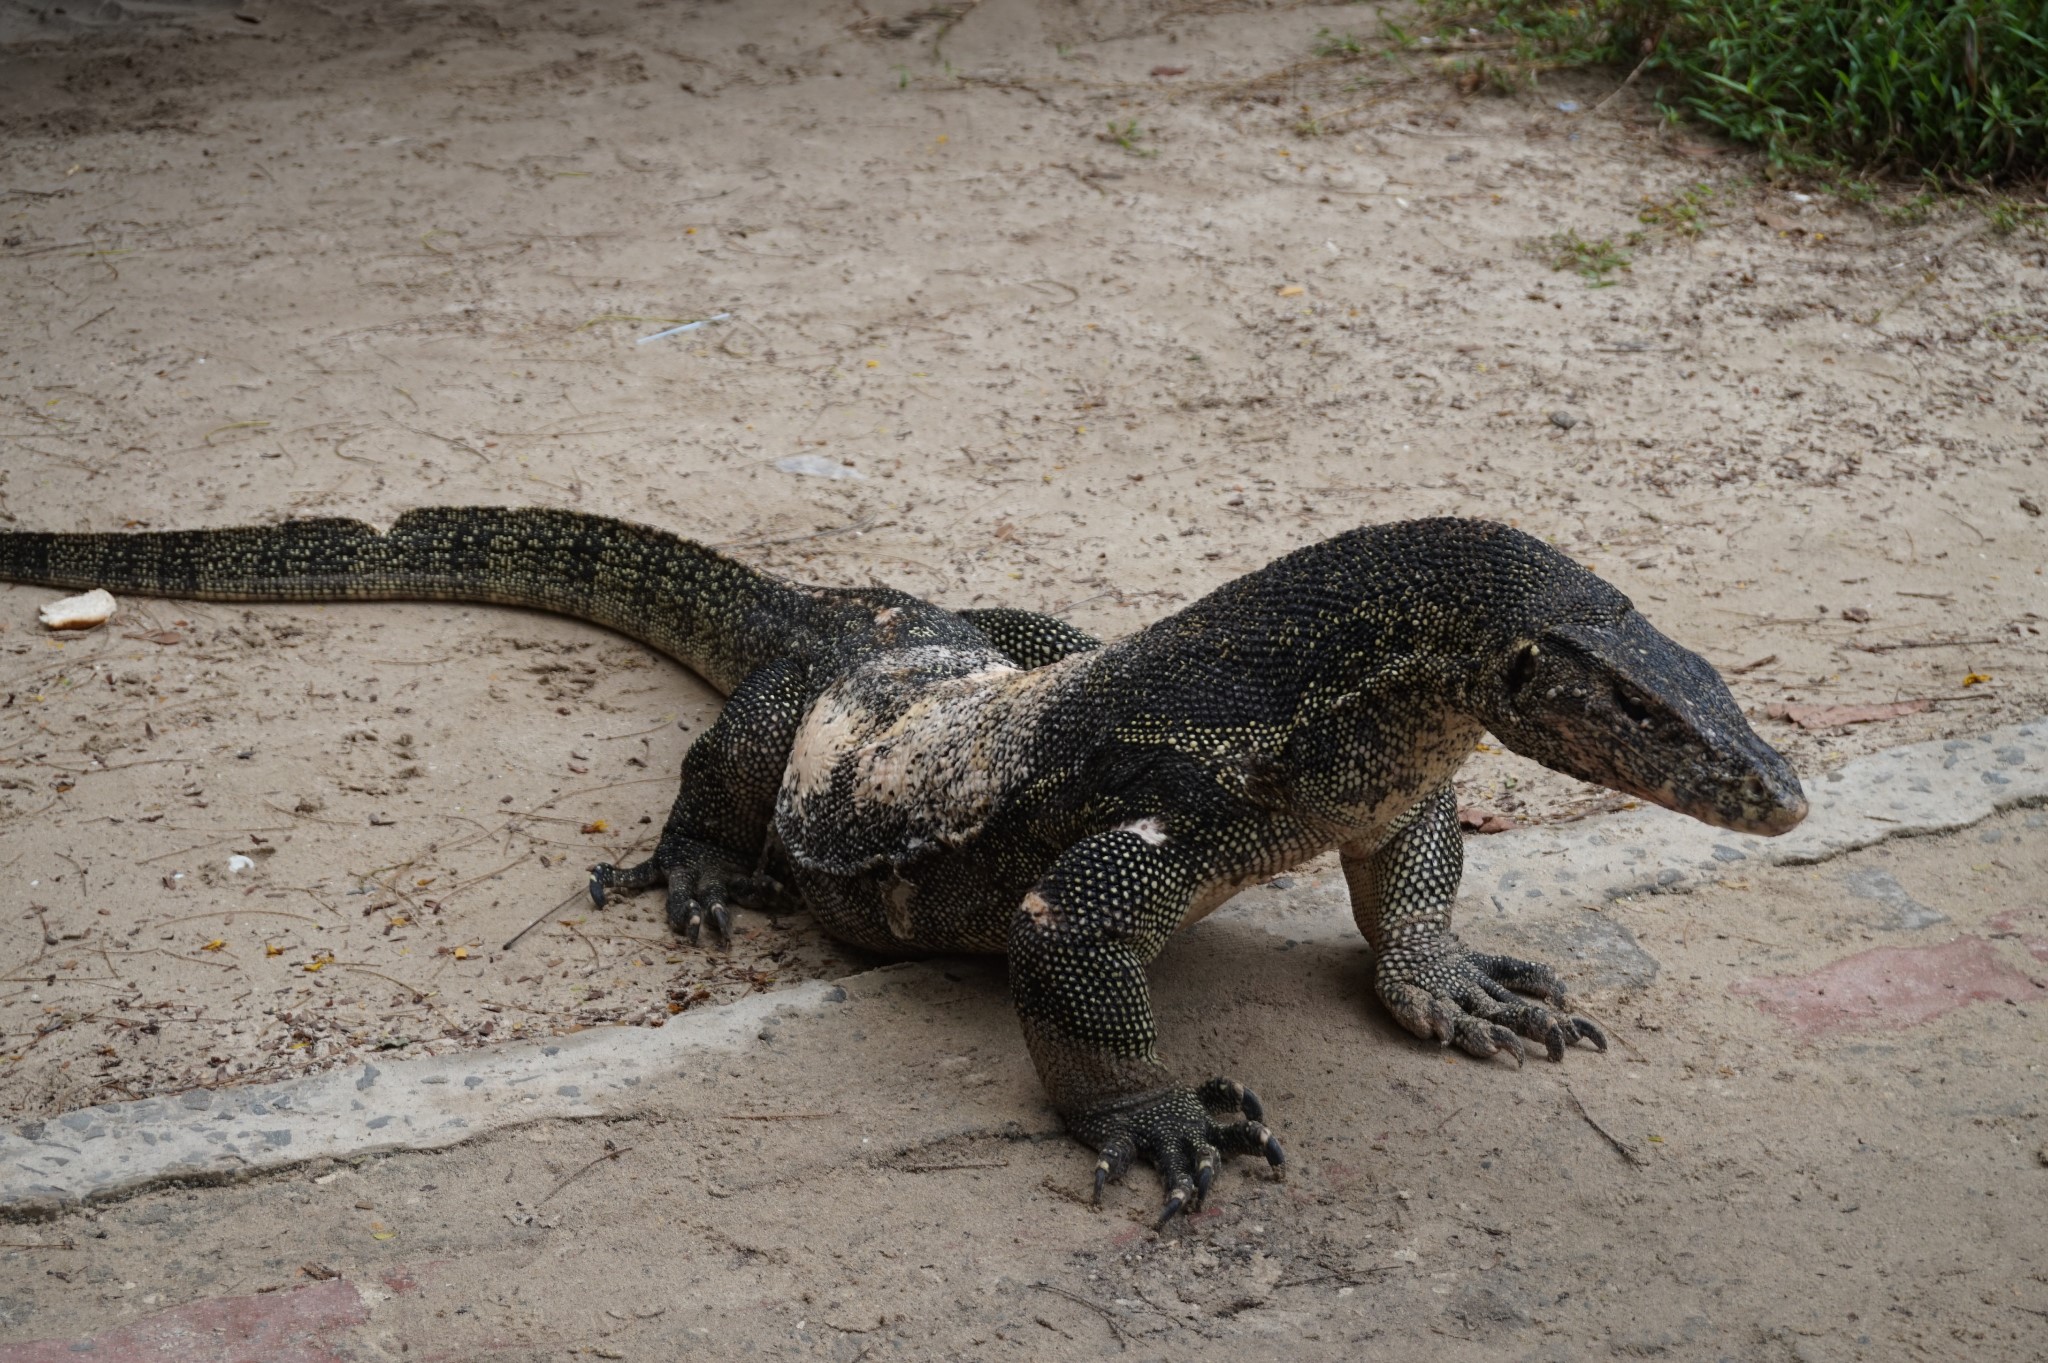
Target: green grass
point(1329, 43)
point(1952, 89)
point(1592, 260)
point(1685, 215)
point(1130, 136)
point(2007, 216)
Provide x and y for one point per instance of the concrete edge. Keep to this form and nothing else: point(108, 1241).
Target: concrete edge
point(1539, 872)
point(1910, 791)
point(118, 1149)
point(114, 1150)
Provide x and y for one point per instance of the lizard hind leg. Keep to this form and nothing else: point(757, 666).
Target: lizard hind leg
point(717, 831)
point(704, 884)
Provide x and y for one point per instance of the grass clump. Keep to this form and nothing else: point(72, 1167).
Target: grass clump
point(1129, 135)
point(1331, 44)
point(1591, 259)
point(1685, 215)
point(2007, 216)
point(1955, 89)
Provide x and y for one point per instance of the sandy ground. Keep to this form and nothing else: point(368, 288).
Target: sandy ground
point(1081, 307)
point(286, 259)
point(1819, 1137)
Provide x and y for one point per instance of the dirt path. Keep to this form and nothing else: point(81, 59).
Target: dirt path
point(1759, 1169)
point(281, 260)
point(1085, 308)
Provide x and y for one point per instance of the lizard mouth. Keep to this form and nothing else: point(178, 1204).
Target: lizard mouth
point(1766, 803)
point(1621, 705)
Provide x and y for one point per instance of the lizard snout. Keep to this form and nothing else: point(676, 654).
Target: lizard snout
point(1771, 802)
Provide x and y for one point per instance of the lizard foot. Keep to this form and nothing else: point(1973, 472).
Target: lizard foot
point(703, 883)
point(1464, 998)
point(1175, 1134)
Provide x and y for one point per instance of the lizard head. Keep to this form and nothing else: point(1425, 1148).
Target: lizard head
point(1599, 694)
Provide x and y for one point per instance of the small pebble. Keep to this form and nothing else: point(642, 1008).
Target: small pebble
point(1564, 418)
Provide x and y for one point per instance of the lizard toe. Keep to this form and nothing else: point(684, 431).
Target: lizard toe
point(1479, 1003)
point(1524, 977)
point(1115, 1158)
point(605, 877)
point(1177, 1201)
point(685, 914)
point(1227, 1095)
point(1477, 1036)
point(1247, 1138)
point(1173, 1132)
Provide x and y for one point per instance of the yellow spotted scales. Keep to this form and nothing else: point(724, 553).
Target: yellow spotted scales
point(927, 780)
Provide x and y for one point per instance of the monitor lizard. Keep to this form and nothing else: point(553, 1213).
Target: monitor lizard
point(927, 780)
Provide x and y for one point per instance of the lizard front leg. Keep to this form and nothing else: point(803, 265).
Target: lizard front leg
point(1401, 895)
point(710, 849)
point(1079, 945)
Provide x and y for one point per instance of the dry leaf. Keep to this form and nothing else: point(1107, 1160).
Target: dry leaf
point(1484, 821)
point(1292, 291)
point(1976, 678)
point(215, 945)
point(1830, 716)
point(596, 826)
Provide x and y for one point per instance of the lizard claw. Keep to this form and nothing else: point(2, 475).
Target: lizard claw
point(1227, 1095)
point(703, 885)
point(1172, 1132)
point(1180, 1198)
point(1116, 1157)
point(1444, 993)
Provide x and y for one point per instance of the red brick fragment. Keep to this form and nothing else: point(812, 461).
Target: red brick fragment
point(1890, 988)
point(300, 1326)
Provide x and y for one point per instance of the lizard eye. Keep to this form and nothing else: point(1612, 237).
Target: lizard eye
point(1633, 704)
point(1522, 670)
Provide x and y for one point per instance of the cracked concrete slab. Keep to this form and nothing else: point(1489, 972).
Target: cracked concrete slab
point(206, 1135)
point(1923, 788)
point(110, 1151)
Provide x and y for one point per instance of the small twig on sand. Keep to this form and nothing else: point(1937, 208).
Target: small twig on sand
point(521, 934)
point(1357, 1278)
point(767, 541)
point(596, 957)
point(1123, 1340)
point(609, 1154)
point(1921, 643)
point(963, 1164)
point(1632, 1156)
point(1630, 80)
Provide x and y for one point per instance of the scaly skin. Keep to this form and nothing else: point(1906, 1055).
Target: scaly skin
point(998, 781)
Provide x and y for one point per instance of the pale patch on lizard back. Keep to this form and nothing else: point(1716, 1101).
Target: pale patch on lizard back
point(890, 762)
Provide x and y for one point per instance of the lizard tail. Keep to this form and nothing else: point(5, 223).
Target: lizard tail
point(711, 613)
